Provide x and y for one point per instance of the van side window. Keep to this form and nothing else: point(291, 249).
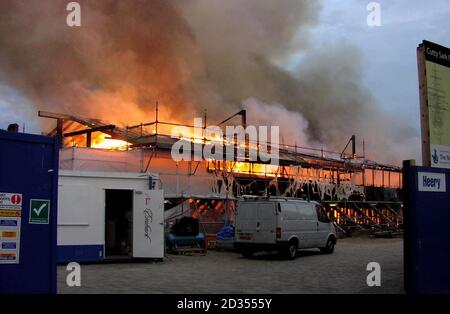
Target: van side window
point(321, 214)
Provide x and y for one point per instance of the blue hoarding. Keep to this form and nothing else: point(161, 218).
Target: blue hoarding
point(28, 170)
point(427, 229)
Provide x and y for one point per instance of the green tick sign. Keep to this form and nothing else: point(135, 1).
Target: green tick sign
point(39, 211)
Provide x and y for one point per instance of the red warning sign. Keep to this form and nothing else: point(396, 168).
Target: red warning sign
point(11, 201)
point(16, 199)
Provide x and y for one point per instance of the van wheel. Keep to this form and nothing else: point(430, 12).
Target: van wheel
point(291, 250)
point(247, 254)
point(329, 248)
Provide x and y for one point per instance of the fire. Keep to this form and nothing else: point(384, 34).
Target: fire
point(245, 168)
point(104, 141)
point(197, 137)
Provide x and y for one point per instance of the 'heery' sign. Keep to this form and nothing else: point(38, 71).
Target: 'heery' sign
point(431, 182)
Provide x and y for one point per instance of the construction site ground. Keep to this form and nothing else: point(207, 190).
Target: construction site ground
point(344, 271)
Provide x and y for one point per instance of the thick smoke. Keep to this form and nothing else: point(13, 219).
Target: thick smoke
point(194, 55)
point(260, 113)
point(126, 56)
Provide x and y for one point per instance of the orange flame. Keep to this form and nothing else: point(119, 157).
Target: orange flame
point(104, 141)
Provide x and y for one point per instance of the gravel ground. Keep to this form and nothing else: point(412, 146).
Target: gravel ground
point(344, 271)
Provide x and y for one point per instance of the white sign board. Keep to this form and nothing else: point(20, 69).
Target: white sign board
point(10, 201)
point(434, 82)
point(10, 224)
point(440, 156)
point(148, 224)
point(431, 182)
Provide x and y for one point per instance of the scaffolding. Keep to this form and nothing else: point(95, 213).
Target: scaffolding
point(357, 193)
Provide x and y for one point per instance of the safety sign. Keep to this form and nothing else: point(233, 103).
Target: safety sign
point(10, 201)
point(10, 224)
point(39, 211)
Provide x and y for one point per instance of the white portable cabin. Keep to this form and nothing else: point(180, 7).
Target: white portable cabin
point(108, 215)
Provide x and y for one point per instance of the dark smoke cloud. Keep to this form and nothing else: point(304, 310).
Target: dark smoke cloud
point(193, 55)
point(240, 49)
point(125, 57)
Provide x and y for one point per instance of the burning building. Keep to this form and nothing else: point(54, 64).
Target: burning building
point(357, 193)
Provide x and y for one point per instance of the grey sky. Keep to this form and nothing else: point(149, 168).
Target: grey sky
point(16, 109)
point(388, 51)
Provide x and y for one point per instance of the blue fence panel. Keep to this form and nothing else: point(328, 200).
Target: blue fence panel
point(427, 230)
point(29, 167)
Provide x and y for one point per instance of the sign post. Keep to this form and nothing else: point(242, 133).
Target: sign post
point(434, 86)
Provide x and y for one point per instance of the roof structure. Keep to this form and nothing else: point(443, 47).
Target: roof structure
point(138, 137)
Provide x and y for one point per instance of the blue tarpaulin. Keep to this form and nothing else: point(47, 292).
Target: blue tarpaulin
point(226, 233)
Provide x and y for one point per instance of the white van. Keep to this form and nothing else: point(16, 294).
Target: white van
point(284, 225)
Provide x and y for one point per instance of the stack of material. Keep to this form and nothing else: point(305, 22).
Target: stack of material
point(225, 238)
point(226, 233)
